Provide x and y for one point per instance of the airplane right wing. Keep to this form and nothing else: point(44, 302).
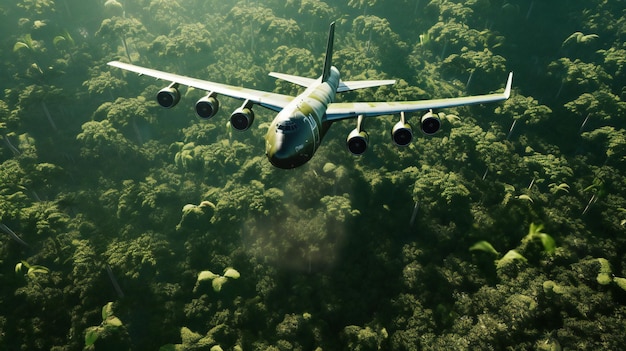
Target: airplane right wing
point(345, 110)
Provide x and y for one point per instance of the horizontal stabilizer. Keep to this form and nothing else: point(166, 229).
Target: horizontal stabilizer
point(303, 81)
point(360, 84)
point(343, 86)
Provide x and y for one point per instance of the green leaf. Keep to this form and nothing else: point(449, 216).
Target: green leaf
point(484, 246)
point(216, 348)
point(604, 276)
point(604, 279)
point(621, 282)
point(107, 311)
point(218, 282)
point(549, 245)
point(206, 275)
point(58, 39)
point(38, 269)
point(509, 257)
point(605, 265)
point(548, 286)
point(534, 229)
point(189, 337)
point(19, 45)
point(18, 268)
point(91, 335)
point(525, 197)
point(561, 187)
point(231, 273)
point(329, 167)
point(113, 321)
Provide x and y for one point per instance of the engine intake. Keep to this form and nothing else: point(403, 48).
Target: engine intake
point(168, 97)
point(357, 141)
point(242, 118)
point(402, 133)
point(430, 123)
point(207, 106)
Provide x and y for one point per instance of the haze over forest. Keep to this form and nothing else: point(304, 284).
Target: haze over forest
point(125, 226)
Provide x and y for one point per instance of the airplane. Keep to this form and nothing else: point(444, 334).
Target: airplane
point(302, 121)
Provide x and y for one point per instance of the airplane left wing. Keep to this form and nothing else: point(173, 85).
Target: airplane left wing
point(345, 110)
point(266, 99)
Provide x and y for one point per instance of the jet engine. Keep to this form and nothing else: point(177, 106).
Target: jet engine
point(242, 118)
point(207, 106)
point(168, 97)
point(357, 141)
point(402, 133)
point(430, 123)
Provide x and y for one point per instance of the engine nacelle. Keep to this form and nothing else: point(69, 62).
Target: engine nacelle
point(430, 123)
point(357, 141)
point(168, 97)
point(207, 106)
point(242, 118)
point(402, 134)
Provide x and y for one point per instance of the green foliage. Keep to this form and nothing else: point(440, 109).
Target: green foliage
point(580, 38)
point(106, 187)
point(484, 246)
point(217, 281)
point(231, 273)
point(509, 258)
point(207, 275)
point(604, 276)
point(535, 232)
point(109, 321)
point(192, 341)
point(362, 339)
point(31, 270)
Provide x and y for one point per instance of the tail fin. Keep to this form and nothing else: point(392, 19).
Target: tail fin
point(329, 53)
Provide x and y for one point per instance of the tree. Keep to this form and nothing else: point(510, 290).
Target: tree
point(101, 138)
point(364, 339)
point(483, 67)
point(578, 77)
point(122, 28)
point(610, 139)
point(183, 41)
point(104, 83)
point(524, 108)
point(600, 104)
point(137, 261)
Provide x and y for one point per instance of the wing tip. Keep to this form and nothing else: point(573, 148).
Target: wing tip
point(509, 83)
point(115, 63)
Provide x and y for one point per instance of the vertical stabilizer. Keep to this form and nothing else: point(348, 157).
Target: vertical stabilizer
point(328, 61)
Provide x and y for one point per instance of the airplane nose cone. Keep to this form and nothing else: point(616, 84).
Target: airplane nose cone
point(276, 152)
point(282, 156)
point(288, 144)
point(281, 160)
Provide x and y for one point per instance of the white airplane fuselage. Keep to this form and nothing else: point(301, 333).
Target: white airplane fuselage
point(297, 131)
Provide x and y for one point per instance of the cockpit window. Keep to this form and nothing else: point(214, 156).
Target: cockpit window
point(287, 125)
